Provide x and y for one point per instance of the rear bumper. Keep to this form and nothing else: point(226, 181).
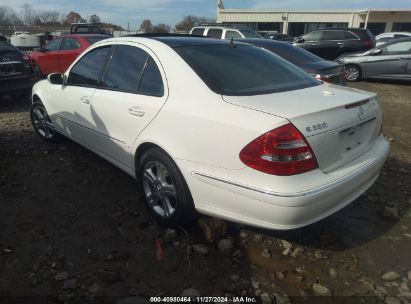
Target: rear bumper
point(273, 209)
point(18, 83)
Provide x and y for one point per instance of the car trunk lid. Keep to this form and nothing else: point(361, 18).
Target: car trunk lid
point(339, 123)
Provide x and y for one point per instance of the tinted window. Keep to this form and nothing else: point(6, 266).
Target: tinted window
point(294, 54)
point(313, 36)
point(244, 70)
point(398, 48)
point(88, 69)
point(333, 35)
point(400, 36)
point(126, 67)
point(198, 32)
point(350, 36)
point(232, 34)
point(53, 45)
point(151, 82)
point(215, 33)
point(70, 44)
point(95, 39)
point(250, 34)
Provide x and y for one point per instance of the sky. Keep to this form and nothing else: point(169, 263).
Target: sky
point(124, 12)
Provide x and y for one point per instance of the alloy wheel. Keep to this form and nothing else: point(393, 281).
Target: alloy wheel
point(42, 122)
point(352, 74)
point(159, 189)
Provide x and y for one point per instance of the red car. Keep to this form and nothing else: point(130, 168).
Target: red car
point(57, 55)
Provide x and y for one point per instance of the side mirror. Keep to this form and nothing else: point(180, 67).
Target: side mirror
point(300, 40)
point(56, 78)
point(376, 52)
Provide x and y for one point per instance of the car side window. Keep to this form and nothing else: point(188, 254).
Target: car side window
point(313, 36)
point(232, 34)
point(350, 36)
point(53, 45)
point(400, 36)
point(70, 44)
point(125, 69)
point(333, 35)
point(215, 33)
point(87, 71)
point(198, 31)
point(403, 47)
point(151, 82)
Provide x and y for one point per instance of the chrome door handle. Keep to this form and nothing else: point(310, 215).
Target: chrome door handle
point(136, 111)
point(85, 99)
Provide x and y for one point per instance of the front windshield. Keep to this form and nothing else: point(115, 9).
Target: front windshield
point(244, 69)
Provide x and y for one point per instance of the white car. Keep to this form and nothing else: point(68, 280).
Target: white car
point(224, 32)
point(217, 127)
point(386, 37)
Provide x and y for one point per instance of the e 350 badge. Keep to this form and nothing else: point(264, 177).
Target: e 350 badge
point(317, 127)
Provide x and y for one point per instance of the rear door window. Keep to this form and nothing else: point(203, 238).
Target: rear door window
point(333, 35)
point(215, 33)
point(232, 34)
point(133, 70)
point(350, 36)
point(126, 68)
point(87, 71)
point(53, 45)
point(198, 31)
point(313, 36)
point(70, 44)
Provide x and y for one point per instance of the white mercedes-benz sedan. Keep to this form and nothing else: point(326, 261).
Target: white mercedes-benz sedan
point(217, 127)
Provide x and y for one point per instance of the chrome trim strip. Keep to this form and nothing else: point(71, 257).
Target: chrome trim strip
point(303, 193)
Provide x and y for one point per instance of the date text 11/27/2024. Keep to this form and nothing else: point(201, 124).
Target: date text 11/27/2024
point(203, 299)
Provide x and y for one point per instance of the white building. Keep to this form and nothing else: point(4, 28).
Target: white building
point(296, 23)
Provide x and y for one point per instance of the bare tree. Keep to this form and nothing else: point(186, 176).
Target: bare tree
point(189, 22)
point(146, 26)
point(161, 28)
point(29, 14)
point(48, 17)
point(8, 16)
point(94, 19)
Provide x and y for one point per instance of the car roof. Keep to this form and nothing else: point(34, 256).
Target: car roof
point(341, 29)
point(82, 35)
point(262, 41)
point(173, 41)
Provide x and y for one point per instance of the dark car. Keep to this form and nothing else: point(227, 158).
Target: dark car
point(17, 74)
point(328, 71)
point(330, 43)
point(391, 60)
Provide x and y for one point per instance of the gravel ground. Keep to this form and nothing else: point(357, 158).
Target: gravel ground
point(72, 229)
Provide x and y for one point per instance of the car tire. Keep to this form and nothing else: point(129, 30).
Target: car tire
point(353, 73)
point(166, 193)
point(38, 71)
point(42, 124)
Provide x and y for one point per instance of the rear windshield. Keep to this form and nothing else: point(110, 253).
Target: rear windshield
point(294, 54)
point(95, 39)
point(244, 70)
point(250, 34)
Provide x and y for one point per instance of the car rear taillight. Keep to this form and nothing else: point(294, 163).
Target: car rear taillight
point(282, 151)
point(324, 78)
point(368, 43)
point(29, 62)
